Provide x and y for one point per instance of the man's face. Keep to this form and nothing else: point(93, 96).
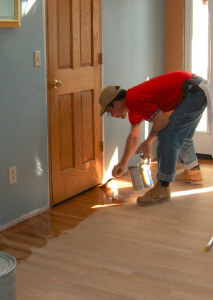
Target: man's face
point(118, 110)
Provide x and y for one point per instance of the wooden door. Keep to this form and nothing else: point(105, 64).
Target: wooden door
point(75, 128)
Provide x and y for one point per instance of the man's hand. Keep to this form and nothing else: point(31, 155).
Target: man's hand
point(118, 170)
point(160, 121)
point(145, 150)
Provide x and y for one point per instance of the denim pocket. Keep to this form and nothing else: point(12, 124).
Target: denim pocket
point(190, 114)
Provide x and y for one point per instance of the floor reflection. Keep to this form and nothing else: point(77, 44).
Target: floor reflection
point(23, 239)
point(34, 233)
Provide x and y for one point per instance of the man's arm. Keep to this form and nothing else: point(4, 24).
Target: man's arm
point(131, 144)
point(160, 121)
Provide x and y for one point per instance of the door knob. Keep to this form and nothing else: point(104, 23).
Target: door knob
point(56, 83)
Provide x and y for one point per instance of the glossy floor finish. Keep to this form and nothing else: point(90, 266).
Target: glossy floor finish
point(101, 245)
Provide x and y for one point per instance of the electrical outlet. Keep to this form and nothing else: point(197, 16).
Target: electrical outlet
point(12, 175)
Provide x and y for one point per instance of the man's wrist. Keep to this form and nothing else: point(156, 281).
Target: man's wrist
point(149, 140)
point(152, 136)
point(123, 161)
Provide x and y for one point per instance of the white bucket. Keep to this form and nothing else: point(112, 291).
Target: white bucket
point(7, 277)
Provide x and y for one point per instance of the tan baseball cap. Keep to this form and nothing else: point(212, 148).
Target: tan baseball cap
point(107, 95)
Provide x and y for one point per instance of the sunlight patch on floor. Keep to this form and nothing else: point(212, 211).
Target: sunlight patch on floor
point(191, 192)
point(106, 205)
point(114, 185)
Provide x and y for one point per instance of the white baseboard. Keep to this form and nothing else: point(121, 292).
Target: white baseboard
point(24, 217)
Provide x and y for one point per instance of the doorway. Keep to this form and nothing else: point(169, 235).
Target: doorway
point(74, 85)
point(197, 60)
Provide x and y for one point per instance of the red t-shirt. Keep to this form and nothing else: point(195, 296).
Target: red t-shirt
point(162, 92)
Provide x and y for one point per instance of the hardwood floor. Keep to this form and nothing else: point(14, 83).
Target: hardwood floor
point(101, 245)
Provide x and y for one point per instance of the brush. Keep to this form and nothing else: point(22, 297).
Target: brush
point(104, 184)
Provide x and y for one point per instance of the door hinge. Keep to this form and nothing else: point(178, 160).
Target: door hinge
point(100, 58)
point(102, 146)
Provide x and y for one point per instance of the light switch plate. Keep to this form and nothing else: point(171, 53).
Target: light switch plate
point(12, 175)
point(37, 59)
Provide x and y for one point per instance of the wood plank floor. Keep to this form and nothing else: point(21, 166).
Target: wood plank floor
point(101, 245)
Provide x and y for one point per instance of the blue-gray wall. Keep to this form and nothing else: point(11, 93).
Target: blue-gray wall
point(133, 48)
point(23, 116)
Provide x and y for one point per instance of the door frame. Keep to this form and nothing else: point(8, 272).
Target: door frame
point(201, 138)
point(48, 107)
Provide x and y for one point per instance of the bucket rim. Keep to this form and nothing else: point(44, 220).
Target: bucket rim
point(12, 263)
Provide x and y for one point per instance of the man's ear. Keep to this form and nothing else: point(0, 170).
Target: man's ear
point(117, 103)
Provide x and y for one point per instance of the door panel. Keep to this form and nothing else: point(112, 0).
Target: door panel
point(86, 32)
point(74, 46)
point(87, 126)
point(67, 138)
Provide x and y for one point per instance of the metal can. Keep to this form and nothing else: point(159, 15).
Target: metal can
point(146, 175)
point(136, 178)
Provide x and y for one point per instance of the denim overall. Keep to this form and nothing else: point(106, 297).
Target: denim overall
point(175, 140)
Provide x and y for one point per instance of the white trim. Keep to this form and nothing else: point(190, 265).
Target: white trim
point(210, 64)
point(24, 217)
point(188, 31)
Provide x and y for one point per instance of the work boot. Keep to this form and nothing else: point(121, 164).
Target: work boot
point(190, 176)
point(157, 194)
